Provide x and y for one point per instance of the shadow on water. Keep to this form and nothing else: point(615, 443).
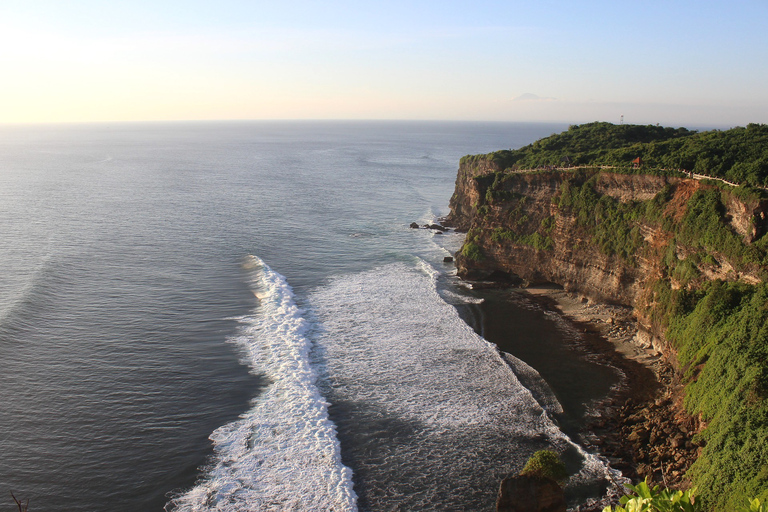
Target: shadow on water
point(556, 349)
point(547, 343)
point(399, 464)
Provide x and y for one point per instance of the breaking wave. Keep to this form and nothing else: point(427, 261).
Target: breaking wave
point(430, 415)
point(283, 453)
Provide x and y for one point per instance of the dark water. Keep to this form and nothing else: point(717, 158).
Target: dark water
point(546, 342)
point(134, 323)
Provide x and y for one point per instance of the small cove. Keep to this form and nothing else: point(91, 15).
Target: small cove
point(554, 347)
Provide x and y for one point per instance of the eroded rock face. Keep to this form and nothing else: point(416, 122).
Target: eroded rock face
point(516, 230)
point(631, 187)
point(466, 195)
point(526, 200)
point(747, 219)
point(525, 493)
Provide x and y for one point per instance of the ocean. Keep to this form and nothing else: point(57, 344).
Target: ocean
point(236, 316)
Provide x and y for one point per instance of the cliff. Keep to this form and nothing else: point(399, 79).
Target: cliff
point(536, 227)
point(668, 246)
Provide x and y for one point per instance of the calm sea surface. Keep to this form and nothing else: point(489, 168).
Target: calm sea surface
point(236, 316)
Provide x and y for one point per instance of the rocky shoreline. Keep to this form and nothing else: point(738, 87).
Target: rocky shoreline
point(641, 428)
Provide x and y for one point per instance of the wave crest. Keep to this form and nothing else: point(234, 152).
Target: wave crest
point(283, 454)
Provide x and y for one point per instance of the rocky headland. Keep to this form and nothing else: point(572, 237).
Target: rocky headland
point(636, 256)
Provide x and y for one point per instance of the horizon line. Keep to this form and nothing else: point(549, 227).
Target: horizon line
point(713, 126)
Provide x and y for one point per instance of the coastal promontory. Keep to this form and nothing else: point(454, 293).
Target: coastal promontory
point(670, 222)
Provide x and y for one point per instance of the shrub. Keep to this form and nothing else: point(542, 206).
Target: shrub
point(547, 464)
point(754, 506)
point(646, 499)
point(472, 251)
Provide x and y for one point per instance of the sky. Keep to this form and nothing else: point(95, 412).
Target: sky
point(676, 63)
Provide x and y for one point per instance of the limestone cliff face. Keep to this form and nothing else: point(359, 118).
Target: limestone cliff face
point(518, 230)
point(469, 184)
point(527, 200)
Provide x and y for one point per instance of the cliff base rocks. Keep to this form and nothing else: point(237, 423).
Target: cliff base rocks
point(642, 428)
point(527, 493)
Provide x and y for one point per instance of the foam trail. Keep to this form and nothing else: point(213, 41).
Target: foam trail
point(532, 380)
point(283, 454)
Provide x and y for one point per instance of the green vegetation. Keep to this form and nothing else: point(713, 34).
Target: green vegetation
point(536, 240)
point(704, 228)
point(721, 333)
point(587, 144)
point(754, 505)
point(612, 224)
point(615, 226)
point(647, 499)
point(719, 329)
point(547, 464)
point(471, 250)
point(739, 155)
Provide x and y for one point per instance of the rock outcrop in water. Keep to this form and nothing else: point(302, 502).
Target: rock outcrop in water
point(529, 493)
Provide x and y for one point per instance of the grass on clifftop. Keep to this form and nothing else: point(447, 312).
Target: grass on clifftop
point(739, 155)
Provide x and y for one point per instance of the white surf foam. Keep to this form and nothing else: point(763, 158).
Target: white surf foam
point(390, 339)
point(282, 454)
point(535, 384)
point(454, 298)
point(402, 360)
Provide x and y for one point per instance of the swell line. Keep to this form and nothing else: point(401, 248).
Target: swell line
point(283, 454)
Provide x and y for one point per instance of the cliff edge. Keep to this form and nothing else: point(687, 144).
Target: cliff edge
point(689, 255)
point(603, 234)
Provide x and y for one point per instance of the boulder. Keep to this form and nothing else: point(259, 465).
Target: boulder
point(528, 493)
point(414, 225)
point(448, 259)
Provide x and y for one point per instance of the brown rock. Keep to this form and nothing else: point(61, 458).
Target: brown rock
point(643, 469)
point(525, 493)
point(638, 435)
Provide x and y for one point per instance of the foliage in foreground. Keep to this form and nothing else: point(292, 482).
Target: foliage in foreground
point(647, 499)
point(22, 505)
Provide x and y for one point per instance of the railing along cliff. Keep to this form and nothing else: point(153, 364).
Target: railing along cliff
point(691, 174)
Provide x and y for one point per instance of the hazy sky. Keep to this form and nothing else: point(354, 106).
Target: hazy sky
point(669, 62)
